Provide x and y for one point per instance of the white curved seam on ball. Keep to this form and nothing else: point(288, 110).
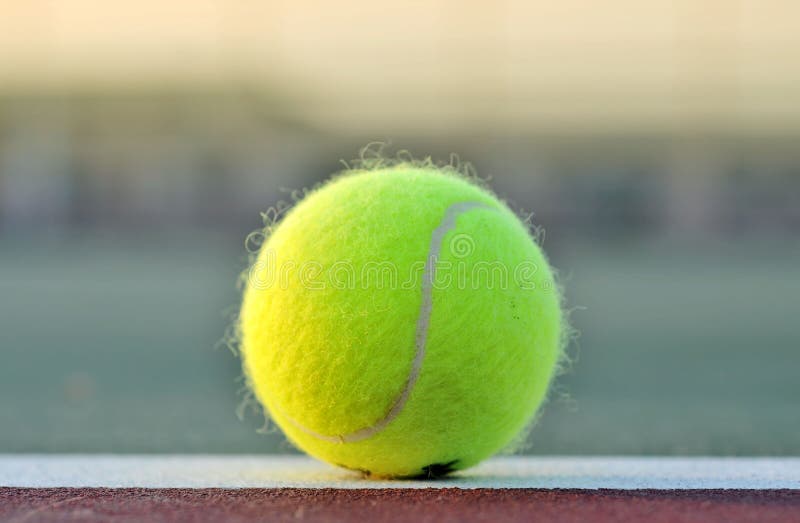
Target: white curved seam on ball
point(420, 337)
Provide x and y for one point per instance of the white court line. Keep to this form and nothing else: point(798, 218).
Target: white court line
point(244, 471)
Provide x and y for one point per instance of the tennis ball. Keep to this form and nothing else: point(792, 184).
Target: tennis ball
point(400, 322)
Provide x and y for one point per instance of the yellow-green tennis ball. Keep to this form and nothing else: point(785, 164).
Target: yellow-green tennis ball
point(401, 322)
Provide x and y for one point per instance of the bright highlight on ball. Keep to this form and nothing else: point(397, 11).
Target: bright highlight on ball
point(401, 322)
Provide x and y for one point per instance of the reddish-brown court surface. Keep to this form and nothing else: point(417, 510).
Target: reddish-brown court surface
point(434, 505)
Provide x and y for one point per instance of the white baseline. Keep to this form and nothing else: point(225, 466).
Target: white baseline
point(282, 471)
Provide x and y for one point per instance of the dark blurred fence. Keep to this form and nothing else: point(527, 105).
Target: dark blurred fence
point(216, 159)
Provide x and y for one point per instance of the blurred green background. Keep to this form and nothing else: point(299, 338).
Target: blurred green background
point(657, 144)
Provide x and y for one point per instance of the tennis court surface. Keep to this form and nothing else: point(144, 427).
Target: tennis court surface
point(292, 488)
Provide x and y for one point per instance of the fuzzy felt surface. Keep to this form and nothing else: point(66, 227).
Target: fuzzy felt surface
point(330, 323)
